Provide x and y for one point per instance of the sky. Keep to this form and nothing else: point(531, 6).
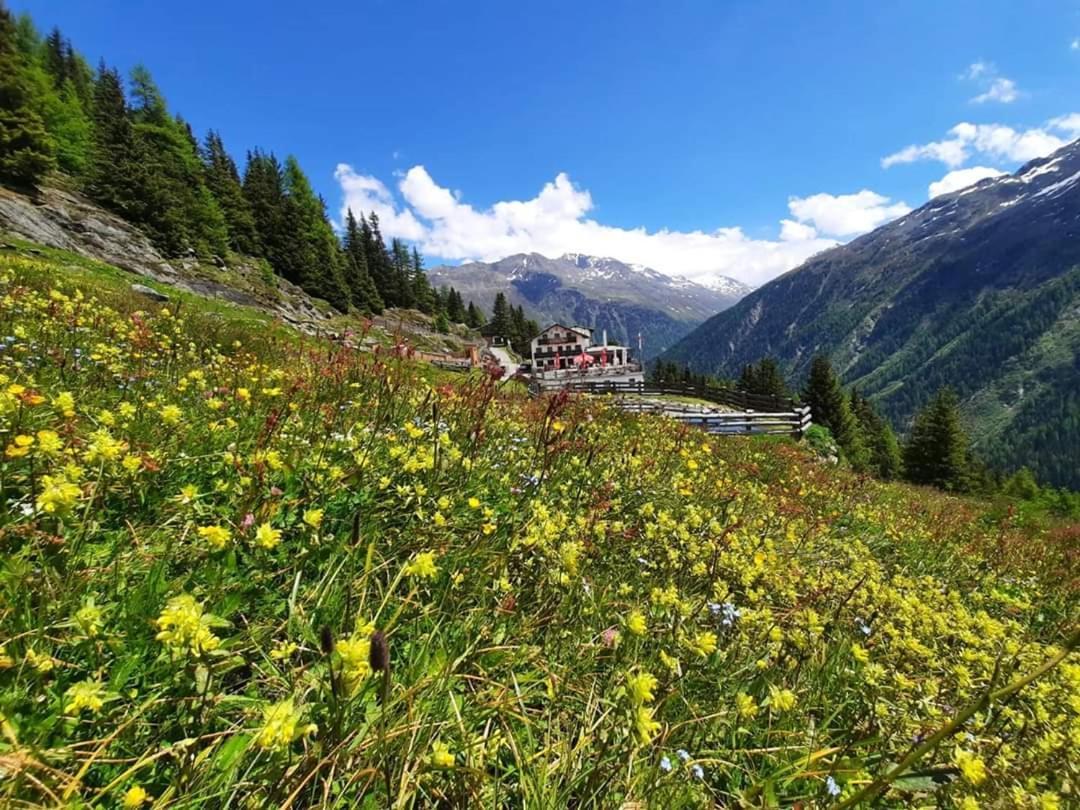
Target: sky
point(706, 138)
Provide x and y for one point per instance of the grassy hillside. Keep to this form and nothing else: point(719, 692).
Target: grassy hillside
point(240, 567)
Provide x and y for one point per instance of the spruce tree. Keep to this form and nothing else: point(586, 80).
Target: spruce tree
point(500, 317)
point(423, 296)
point(883, 449)
point(829, 407)
point(379, 263)
point(223, 181)
point(365, 296)
point(764, 379)
point(265, 195)
point(474, 317)
point(314, 254)
point(403, 279)
point(937, 449)
point(114, 173)
point(26, 149)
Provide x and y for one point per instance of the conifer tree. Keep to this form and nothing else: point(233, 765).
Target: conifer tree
point(313, 252)
point(764, 378)
point(500, 317)
point(26, 149)
point(883, 449)
point(365, 296)
point(379, 263)
point(403, 276)
point(223, 181)
point(829, 407)
point(474, 317)
point(937, 450)
point(423, 295)
point(114, 173)
point(265, 195)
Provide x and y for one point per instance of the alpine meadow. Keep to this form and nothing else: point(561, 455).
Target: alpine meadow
point(290, 521)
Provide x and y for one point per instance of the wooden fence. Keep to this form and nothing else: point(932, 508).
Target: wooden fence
point(751, 413)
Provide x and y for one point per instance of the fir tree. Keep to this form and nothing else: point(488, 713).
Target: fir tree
point(937, 450)
point(402, 275)
point(26, 149)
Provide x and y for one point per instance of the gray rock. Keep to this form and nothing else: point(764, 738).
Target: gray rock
point(149, 292)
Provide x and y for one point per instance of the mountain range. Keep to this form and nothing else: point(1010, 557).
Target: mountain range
point(604, 293)
point(978, 289)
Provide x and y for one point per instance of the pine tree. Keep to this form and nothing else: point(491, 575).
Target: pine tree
point(500, 317)
point(455, 307)
point(937, 450)
point(829, 407)
point(365, 296)
point(26, 149)
point(223, 181)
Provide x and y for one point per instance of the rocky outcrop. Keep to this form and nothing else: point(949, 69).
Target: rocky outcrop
point(64, 219)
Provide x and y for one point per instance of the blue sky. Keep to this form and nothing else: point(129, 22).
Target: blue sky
point(686, 132)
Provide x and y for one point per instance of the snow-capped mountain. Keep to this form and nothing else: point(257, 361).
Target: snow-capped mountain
point(605, 293)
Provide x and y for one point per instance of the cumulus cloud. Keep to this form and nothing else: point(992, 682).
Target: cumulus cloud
point(992, 141)
point(961, 178)
point(1000, 89)
point(1069, 125)
point(557, 221)
point(846, 215)
point(995, 86)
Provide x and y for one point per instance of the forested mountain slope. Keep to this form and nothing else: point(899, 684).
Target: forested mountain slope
point(978, 289)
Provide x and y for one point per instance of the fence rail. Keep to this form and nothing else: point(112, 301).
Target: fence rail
point(751, 413)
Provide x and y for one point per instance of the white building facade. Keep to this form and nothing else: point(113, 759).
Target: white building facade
point(572, 347)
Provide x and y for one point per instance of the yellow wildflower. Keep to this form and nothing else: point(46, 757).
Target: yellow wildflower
point(65, 404)
point(644, 724)
point(88, 695)
point(266, 536)
point(90, 618)
point(57, 496)
point(781, 700)
point(704, 644)
point(136, 796)
point(313, 518)
point(422, 565)
point(216, 535)
point(441, 756)
point(746, 706)
point(636, 624)
point(971, 767)
point(281, 725)
point(185, 627)
point(49, 442)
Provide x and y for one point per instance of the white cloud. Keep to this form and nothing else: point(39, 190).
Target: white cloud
point(1075, 45)
point(961, 178)
point(1000, 89)
point(792, 231)
point(365, 193)
point(556, 221)
point(995, 86)
point(1067, 124)
point(845, 215)
point(992, 141)
point(977, 69)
